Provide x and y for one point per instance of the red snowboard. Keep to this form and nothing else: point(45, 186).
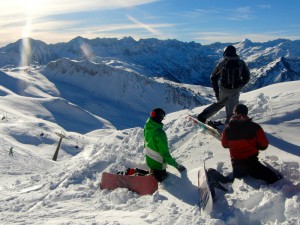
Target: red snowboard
point(143, 185)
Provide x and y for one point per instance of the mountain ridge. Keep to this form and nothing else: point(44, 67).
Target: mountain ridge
point(182, 62)
point(132, 90)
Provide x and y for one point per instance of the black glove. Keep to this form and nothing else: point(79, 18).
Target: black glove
point(217, 95)
point(181, 168)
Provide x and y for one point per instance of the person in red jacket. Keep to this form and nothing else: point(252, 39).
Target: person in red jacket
point(244, 138)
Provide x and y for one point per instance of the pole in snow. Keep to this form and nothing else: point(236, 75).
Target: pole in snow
point(61, 135)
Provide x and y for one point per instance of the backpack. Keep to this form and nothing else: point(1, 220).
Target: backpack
point(231, 73)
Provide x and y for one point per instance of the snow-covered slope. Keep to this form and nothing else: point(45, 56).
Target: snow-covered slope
point(96, 91)
point(119, 93)
point(37, 190)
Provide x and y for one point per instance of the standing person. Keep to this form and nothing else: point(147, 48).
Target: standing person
point(156, 146)
point(233, 74)
point(244, 139)
point(11, 151)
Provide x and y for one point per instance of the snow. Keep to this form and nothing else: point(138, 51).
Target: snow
point(34, 189)
point(184, 62)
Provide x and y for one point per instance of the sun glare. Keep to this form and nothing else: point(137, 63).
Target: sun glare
point(32, 6)
point(31, 9)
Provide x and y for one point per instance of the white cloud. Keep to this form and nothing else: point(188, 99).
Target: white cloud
point(52, 7)
point(27, 17)
point(265, 6)
point(45, 20)
point(147, 27)
point(211, 37)
point(240, 13)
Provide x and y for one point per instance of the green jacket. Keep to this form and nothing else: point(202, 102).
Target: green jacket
point(156, 146)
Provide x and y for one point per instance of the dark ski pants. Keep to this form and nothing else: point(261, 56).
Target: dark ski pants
point(228, 98)
point(159, 175)
point(252, 167)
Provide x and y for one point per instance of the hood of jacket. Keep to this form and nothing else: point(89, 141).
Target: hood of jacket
point(152, 126)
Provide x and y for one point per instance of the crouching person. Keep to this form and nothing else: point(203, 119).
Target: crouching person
point(156, 146)
point(244, 139)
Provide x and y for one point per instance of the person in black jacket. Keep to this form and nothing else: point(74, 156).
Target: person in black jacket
point(227, 79)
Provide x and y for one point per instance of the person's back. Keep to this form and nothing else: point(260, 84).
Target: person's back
point(244, 139)
point(233, 73)
point(227, 79)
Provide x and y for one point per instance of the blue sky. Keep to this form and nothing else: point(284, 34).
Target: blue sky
point(202, 21)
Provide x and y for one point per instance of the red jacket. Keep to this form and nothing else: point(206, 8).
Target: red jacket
point(243, 137)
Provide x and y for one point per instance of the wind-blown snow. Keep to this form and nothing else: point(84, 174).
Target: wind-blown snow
point(36, 190)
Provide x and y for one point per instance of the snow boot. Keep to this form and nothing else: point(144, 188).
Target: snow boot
point(201, 119)
point(214, 124)
point(214, 178)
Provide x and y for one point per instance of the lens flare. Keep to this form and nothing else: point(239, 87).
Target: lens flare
point(86, 50)
point(30, 8)
point(26, 45)
point(25, 52)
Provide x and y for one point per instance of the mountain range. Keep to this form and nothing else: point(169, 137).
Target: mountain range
point(108, 78)
point(182, 62)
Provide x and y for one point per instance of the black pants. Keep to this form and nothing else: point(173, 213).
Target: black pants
point(214, 179)
point(252, 167)
point(159, 175)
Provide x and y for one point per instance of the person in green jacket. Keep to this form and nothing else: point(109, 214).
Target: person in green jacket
point(156, 146)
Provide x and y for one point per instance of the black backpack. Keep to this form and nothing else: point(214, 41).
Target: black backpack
point(231, 73)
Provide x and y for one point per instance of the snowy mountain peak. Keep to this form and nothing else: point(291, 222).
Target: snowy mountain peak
point(173, 60)
point(246, 43)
